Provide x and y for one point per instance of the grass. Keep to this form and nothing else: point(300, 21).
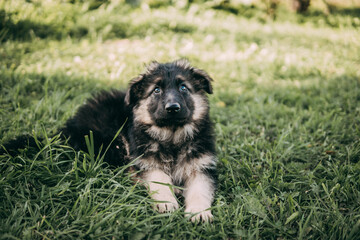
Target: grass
point(285, 109)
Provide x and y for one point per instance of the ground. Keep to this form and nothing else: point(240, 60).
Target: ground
point(285, 108)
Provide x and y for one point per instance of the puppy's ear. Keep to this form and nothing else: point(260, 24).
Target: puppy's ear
point(202, 80)
point(135, 90)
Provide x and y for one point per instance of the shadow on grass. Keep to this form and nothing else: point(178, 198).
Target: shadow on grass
point(343, 12)
point(23, 29)
point(106, 28)
point(337, 17)
point(31, 100)
point(353, 12)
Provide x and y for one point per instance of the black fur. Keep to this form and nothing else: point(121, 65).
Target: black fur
point(104, 115)
point(20, 142)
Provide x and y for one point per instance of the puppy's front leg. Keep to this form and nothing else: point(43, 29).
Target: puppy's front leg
point(160, 192)
point(199, 193)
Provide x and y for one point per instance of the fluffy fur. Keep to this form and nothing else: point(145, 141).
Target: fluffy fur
point(165, 114)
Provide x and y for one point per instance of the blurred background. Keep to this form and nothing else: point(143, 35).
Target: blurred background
point(58, 19)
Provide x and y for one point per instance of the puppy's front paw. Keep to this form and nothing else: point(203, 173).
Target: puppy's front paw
point(166, 202)
point(200, 214)
point(166, 206)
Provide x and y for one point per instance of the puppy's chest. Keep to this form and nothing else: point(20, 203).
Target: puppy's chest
point(170, 158)
point(169, 153)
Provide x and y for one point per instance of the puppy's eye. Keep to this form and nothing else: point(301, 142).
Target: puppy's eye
point(183, 88)
point(157, 90)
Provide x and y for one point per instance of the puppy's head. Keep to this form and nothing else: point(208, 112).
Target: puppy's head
point(169, 94)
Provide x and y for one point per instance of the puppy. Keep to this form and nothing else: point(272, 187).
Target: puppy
point(166, 127)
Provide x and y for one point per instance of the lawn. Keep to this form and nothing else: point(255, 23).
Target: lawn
point(286, 112)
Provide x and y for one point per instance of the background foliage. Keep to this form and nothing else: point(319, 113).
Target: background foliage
point(285, 109)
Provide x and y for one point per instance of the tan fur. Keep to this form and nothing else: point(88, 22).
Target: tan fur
point(154, 147)
point(152, 86)
point(184, 133)
point(181, 77)
point(183, 63)
point(151, 67)
point(141, 112)
point(201, 107)
point(198, 195)
point(127, 147)
point(198, 191)
point(161, 134)
point(185, 169)
point(164, 134)
point(148, 164)
point(160, 192)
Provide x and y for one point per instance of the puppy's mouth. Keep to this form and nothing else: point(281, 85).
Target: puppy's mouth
point(171, 121)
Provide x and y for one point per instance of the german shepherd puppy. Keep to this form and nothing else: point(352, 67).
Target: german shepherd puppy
point(166, 127)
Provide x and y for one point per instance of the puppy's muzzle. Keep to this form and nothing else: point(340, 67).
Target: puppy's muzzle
point(173, 107)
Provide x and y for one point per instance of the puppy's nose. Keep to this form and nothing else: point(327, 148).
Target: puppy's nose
point(172, 107)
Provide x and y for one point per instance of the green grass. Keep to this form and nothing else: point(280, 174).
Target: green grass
point(286, 112)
